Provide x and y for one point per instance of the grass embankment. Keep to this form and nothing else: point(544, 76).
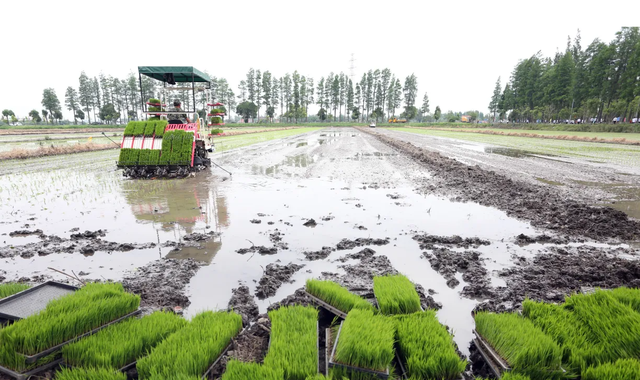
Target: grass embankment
point(57, 126)
point(336, 296)
point(123, 343)
point(63, 319)
point(294, 342)
point(597, 137)
point(54, 150)
point(427, 347)
point(231, 142)
point(366, 341)
point(523, 345)
point(191, 350)
point(396, 295)
point(7, 290)
point(89, 374)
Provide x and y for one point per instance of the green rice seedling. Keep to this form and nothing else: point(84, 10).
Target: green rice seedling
point(143, 158)
point(427, 347)
point(134, 157)
point(237, 370)
point(7, 290)
point(63, 319)
point(396, 295)
point(149, 128)
point(160, 125)
point(216, 131)
point(192, 349)
point(154, 108)
point(627, 369)
point(514, 376)
point(216, 120)
point(124, 156)
point(366, 340)
point(122, 343)
point(154, 101)
point(294, 341)
point(628, 296)
point(89, 374)
point(523, 345)
point(154, 157)
point(612, 324)
point(570, 334)
point(336, 296)
point(138, 129)
point(128, 130)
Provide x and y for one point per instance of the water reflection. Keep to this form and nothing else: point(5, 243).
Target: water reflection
point(181, 206)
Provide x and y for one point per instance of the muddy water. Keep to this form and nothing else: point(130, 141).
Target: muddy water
point(350, 184)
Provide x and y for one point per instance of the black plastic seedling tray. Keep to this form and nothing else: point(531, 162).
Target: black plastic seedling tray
point(26, 375)
point(325, 305)
point(212, 366)
point(493, 359)
point(34, 358)
point(33, 300)
point(382, 375)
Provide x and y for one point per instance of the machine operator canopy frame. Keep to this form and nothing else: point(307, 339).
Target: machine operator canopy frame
point(173, 75)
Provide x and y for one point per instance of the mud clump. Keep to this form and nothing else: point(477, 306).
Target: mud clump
point(310, 223)
point(562, 271)
point(276, 238)
point(274, 276)
point(194, 240)
point(360, 242)
point(25, 233)
point(162, 283)
point(318, 255)
point(448, 263)
point(523, 240)
point(426, 300)
point(261, 249)
point(543, 206)
point(365, 253)
point(255, 221)
point(89, 235)
point(86, 243)
point(299, 297)
point(243, 303)
point(196, 236)
point(427, 241)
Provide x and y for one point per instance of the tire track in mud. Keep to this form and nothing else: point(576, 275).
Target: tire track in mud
point(539, 204)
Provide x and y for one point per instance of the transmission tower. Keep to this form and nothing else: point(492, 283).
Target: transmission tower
point(352, 67)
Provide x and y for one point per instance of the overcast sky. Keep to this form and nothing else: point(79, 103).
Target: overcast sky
point(457, 49)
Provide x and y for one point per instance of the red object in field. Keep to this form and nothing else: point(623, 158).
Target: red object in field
point(215, 105)
point(156, 104)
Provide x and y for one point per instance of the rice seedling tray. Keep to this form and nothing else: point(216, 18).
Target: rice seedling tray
point(317, 344)
point(493, 359)
point(33, 300)
point(206, 374)
point(26, 375)
point(378, 304)
point(34, 358)
point(332, 364)
point(325, 305)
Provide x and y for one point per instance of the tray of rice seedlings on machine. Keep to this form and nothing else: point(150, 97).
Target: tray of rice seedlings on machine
point(510, 342)
point(194, 350)
point(119, 346)
point(293, 343)
point(396, 295)
point(217, 114)
point(591, 328)
point(32, 344)
point(363, 346)
point(426, 348)
point(335, 298)
point(19, 301)
point(237, 370)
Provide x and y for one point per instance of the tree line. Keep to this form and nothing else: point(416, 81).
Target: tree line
point(600, 82)
point(378, 94)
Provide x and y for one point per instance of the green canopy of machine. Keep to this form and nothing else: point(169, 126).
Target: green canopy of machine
point(174, 74)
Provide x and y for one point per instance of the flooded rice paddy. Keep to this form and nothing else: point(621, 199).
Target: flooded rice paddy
point(350, 184)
